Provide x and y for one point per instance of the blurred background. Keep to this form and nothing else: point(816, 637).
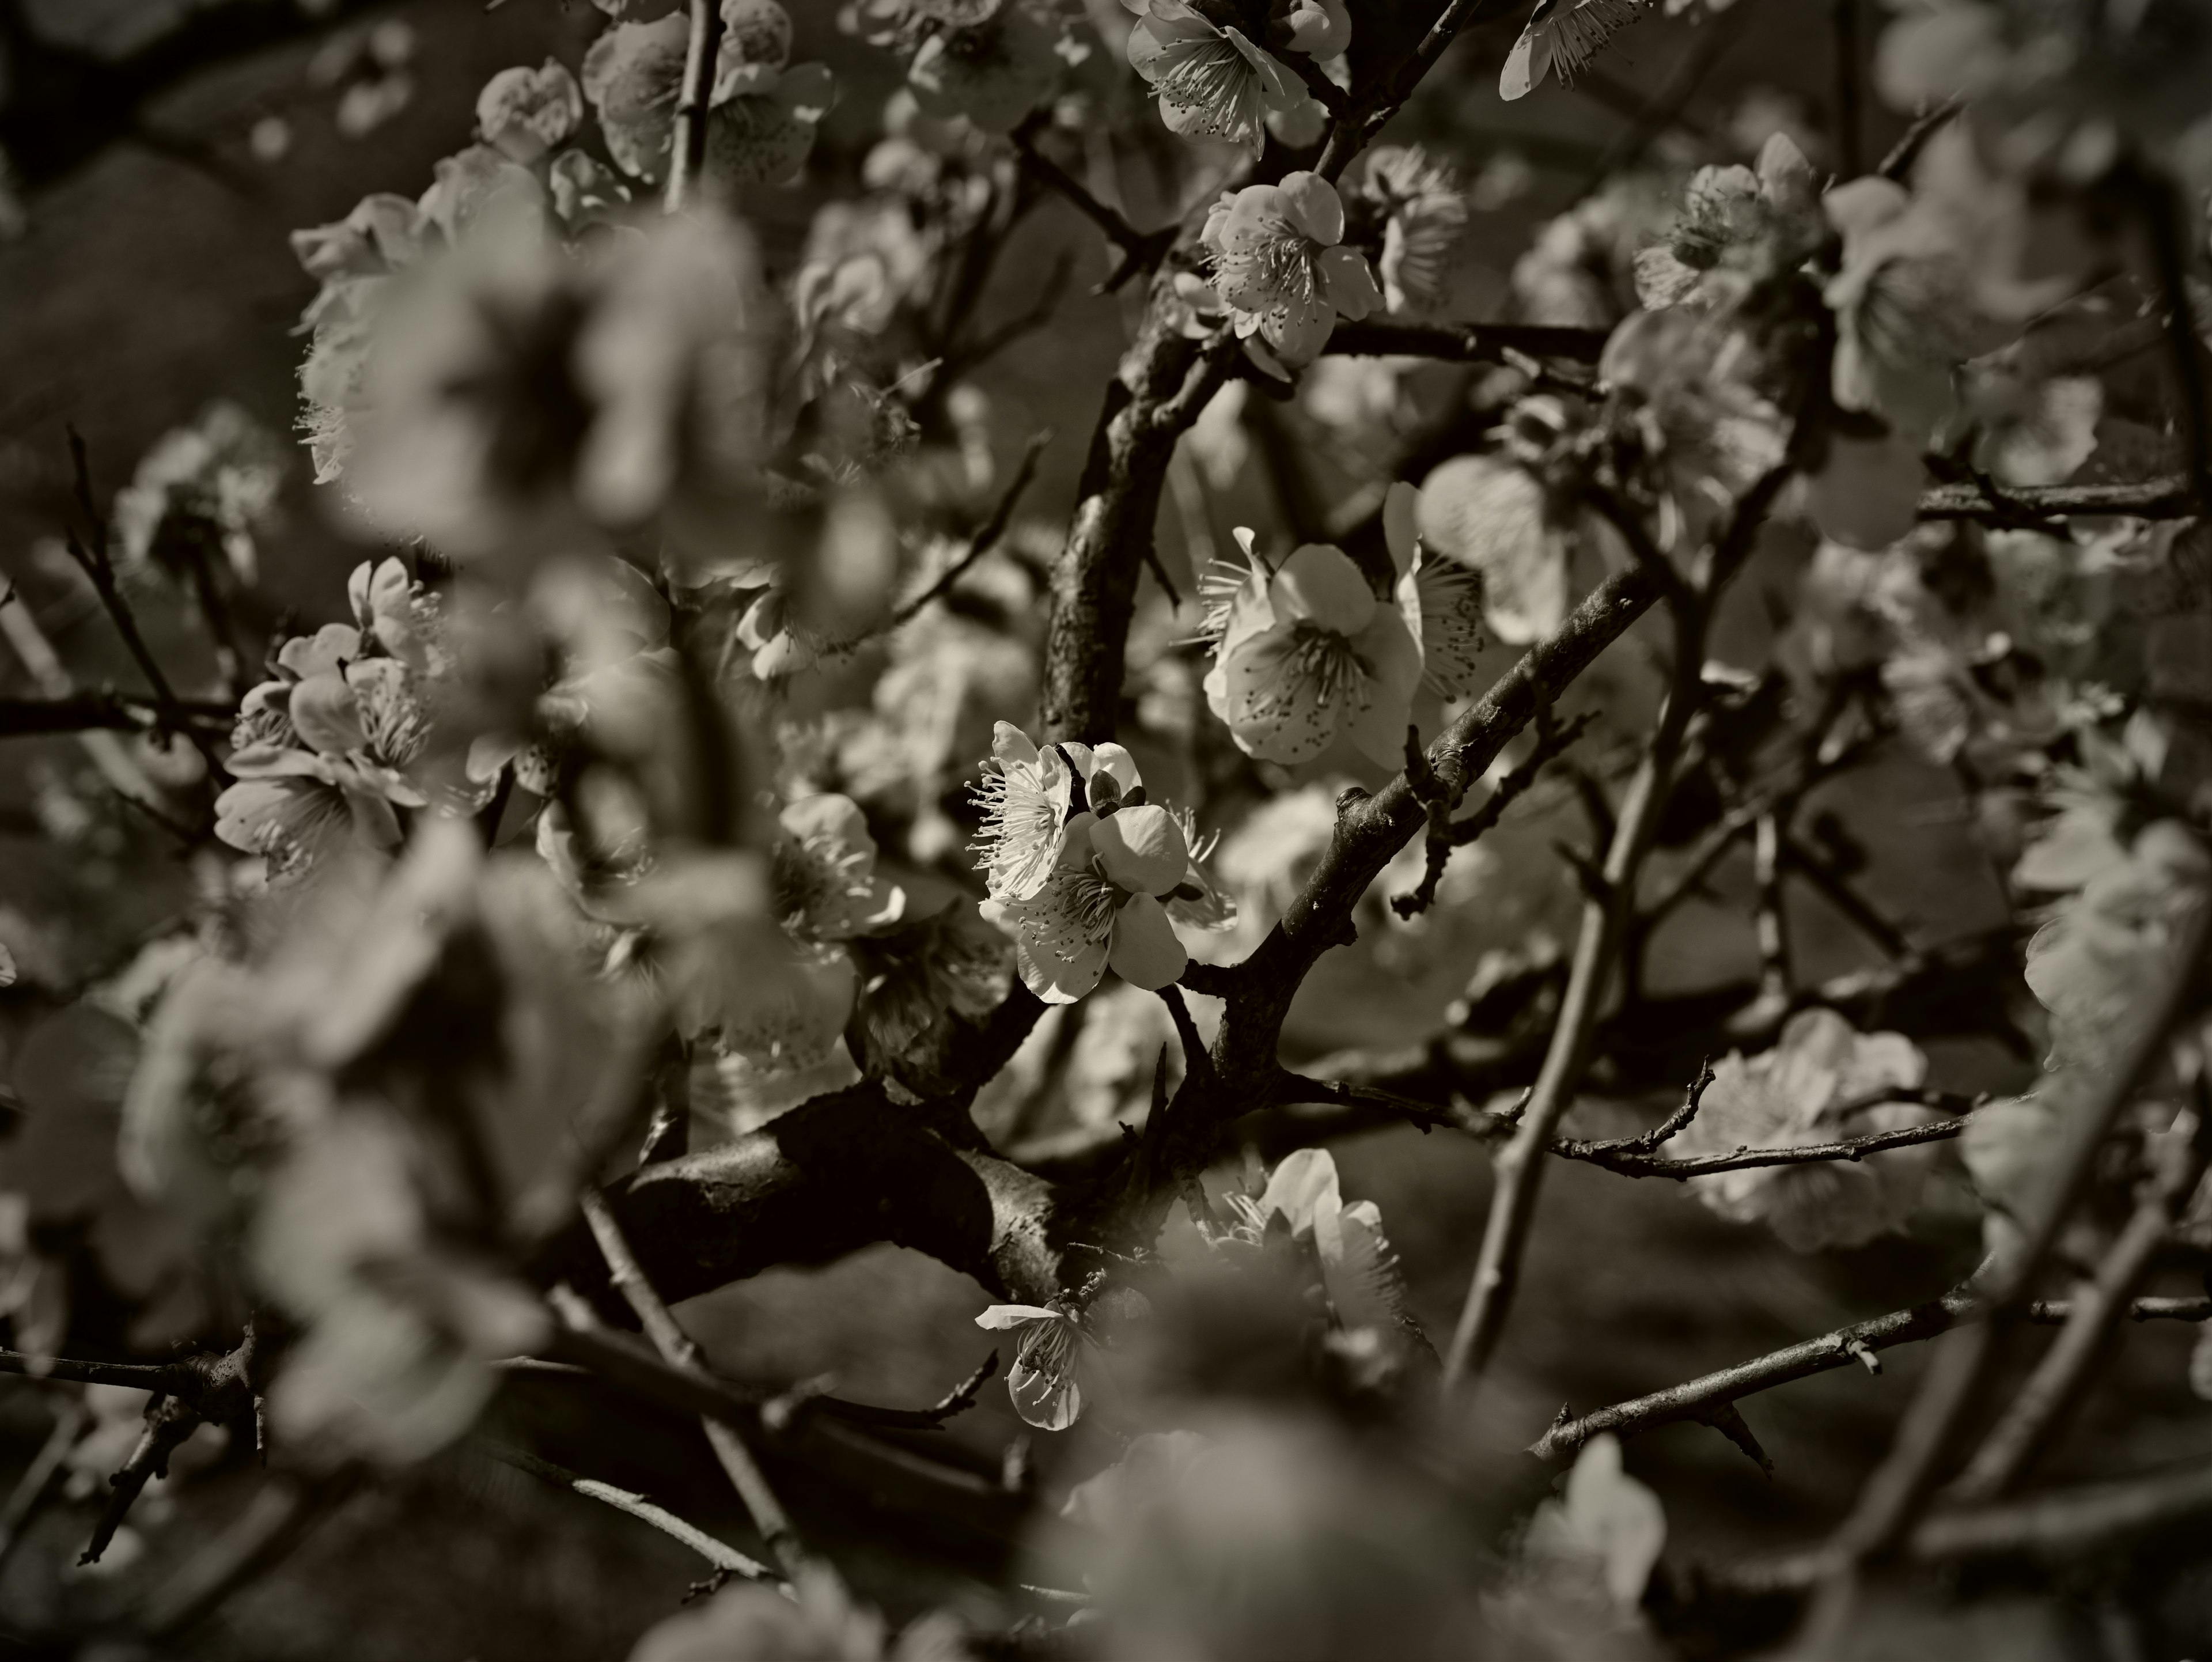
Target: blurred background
point(159, 152)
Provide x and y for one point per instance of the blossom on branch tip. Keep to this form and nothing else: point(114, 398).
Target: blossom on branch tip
point(1213, 80)
point(827, 887)
point(1562, 36)
point(1281, 268)
point(1042, 1381)
point(1306, 652)
point(993, 71)
point(1425, 230)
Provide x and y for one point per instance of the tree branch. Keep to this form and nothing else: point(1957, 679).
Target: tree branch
point(1839, 1348)
point(720, 1554)
point(1463, 343)
point(687, 149)
point(2167, 496)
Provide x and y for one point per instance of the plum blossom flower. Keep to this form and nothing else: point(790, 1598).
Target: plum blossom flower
point(1042, 1381)
point(1211, 79)
point(827, 887)
point(1440, 599)
point(524, 113)
point(1306, 652)
point(1367, 1288)
point(1280, 265)
point(1425, 227)
point(992, 70)
point(1493, 512)
point(1737, 227)
point(1562, 36)
point(1814, 1086)
point(205, 488)
point(337, 741)
point(1084, 872)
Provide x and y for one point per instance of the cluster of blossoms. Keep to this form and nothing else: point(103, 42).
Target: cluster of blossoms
point(338, 744)
point(1085, 873)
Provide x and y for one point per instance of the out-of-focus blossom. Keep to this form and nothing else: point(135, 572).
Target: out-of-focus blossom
point(1490, 514)
point(1423, 229)
point(1280, 267)
point(1561, 37)
point(1367, 1288)
point(1042, 1382)
point(762, 111)
point(1576, 1587)
point(518, 402)
point(993, 71)
point(1929, 278)
point(1306, 652)
point(1213, 80)
point(817, 1623)
point(1684, 386)
point(827, 887)
point(1738, 228)
point(526, 114)
point(1821, 1083)
point(202, 490)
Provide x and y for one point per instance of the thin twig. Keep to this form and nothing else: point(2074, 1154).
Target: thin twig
point(985, 539)
point(2164, 496)
point(1839, 1348)
point(1893, 1497)
point(720, 1553)
point(2040, 1407)
point(677, 1350)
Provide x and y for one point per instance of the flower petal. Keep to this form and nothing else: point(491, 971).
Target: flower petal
point(1146, 952)
point(1319, 583)
point(1313, 205)
point(1347, 282)
point(1141, 849)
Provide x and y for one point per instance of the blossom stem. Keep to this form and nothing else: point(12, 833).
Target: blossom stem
point(687, 151)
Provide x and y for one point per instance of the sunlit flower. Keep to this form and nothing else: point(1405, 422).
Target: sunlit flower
point(1280, 267)
point(1084, 872)
point(1212, 80)
point(1042, 1381)
point(1426, 227)
point(1440, 597)
point(1562, 36)
point(1306, 652)
point(1576, 1586)
point(1366, 1287)
point(1822, 1083)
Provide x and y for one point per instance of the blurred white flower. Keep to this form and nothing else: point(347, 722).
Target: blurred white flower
point(1822, 1083)
point(1425, 227)
point(1367, 1288)
point(993, 71)
point(1491, 515)
point(525, 113)
point(1576, 1587)
point(203, 491)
